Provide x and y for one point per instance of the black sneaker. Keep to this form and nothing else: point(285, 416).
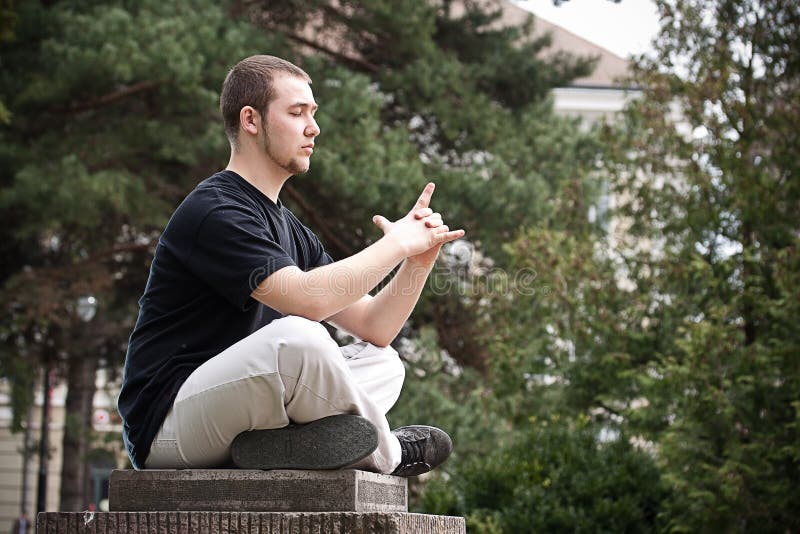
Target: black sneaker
point(424, 447)
point(329, 443)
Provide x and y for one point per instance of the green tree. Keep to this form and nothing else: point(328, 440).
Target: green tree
point(706, 167)
point(555, 477)
point(113, 118)
point(8, 19)
point(444, 80)
point(678, 328)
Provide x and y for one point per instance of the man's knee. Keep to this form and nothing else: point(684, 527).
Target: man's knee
point(305, 347)
point(304, 336)
point(258, 353)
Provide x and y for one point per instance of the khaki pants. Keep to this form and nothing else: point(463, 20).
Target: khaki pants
point(289, 370)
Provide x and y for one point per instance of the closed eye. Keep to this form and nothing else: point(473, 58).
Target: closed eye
point(298, 108)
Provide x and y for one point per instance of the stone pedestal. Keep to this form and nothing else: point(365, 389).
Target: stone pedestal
point(246, 523)
point(218, 490)
point(253, 502)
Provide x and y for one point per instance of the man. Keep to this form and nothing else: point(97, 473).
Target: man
point(228, 360)
point(22, 525)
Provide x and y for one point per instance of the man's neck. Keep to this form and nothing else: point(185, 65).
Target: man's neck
point(260, 171)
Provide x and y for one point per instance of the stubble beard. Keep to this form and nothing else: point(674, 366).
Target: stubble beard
point(290, 165)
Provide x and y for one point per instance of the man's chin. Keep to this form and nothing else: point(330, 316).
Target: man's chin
point(297, 168)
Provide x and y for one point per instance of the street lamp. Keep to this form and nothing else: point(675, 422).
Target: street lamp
point(87, 308)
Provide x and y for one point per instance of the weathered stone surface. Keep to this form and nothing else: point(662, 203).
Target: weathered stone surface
point(258, 491)
point(246, 523)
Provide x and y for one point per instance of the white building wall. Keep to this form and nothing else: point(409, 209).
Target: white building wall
point(12, 458)
point(591, 103)
point(12, 445)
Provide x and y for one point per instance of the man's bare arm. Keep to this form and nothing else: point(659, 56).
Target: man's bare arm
point(321, 293)
point(379, 319)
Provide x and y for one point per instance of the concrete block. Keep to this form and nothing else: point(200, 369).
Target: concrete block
point(246, 522)
point(257, 491)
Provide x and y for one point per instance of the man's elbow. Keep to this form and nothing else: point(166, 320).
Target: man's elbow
point(318, 307)
point(378, 341)
point(311, 310)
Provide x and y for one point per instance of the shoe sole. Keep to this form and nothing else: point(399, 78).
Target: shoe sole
point(329, 443)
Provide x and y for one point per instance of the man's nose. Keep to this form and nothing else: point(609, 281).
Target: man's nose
point(312, 130)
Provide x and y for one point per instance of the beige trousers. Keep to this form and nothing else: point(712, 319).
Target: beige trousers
point(290, 370)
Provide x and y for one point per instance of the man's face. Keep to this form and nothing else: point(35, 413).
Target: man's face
point(289, 130)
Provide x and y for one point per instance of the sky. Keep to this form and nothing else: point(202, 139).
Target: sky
point(624, 28)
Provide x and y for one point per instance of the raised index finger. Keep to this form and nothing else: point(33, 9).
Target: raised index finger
point(425, 198)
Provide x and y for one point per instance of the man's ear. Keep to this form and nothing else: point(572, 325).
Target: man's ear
point(249, 120)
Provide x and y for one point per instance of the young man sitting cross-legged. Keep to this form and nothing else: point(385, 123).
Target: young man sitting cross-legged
point(228, 361)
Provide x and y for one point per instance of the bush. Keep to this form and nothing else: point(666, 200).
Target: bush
point(555, 476)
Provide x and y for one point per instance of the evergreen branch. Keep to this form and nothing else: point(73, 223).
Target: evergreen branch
point(349, 21)
point(608, 408)
point(355, 62)
point(116, 249)
point(112, 97)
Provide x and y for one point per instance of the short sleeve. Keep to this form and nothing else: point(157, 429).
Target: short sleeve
point(319, 256)
point(234, 251)
point(325, 260)
point(312, 251)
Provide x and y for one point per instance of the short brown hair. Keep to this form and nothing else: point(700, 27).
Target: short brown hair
point(249, 83)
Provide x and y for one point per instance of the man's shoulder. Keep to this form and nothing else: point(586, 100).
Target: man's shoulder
point(219, 187)
point(216, 193)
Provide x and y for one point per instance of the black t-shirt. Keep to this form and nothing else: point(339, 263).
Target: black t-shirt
point(221, 242)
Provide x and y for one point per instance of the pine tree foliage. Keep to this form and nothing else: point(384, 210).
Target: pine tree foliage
point(469, 93)
point(112, 120)
point(108, 101)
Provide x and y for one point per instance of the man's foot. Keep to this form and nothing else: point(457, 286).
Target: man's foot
point(329, 443)
point(424, 447)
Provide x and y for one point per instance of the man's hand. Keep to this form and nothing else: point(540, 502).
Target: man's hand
point(421, 233)
point(417, 237)
point(432, 220)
